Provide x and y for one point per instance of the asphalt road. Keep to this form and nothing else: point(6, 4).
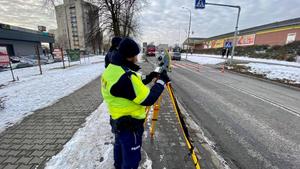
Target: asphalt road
point(254, 124)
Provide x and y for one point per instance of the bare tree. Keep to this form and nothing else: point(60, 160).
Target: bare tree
point(119, 17)
point(95, 35)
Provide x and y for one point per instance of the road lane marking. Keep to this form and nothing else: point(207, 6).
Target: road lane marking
point(276, 104)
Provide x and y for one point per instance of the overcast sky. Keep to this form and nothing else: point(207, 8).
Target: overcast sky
point(164, 21)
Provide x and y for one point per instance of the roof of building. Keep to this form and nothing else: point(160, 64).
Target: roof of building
point(193, 40)
point(22, 34)
point(290, 22)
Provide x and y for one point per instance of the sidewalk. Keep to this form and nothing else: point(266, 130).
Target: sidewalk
point(40, 136)
point(32, 142)
point(168, 149)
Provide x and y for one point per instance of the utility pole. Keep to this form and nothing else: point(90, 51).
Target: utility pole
point(38, 58)
point(188, 35)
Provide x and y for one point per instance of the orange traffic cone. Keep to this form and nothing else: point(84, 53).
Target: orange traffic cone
point(223, 68)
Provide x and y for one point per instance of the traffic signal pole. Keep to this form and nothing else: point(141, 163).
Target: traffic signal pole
point(236, 27)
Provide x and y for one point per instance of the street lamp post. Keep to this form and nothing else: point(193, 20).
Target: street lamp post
point(188, 35)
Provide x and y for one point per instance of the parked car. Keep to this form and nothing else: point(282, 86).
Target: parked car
point(176, 55)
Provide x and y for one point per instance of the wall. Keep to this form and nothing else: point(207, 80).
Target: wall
point(22, 48)
point(275, 38)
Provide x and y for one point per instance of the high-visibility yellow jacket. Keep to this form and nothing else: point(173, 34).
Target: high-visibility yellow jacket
point(125, 93)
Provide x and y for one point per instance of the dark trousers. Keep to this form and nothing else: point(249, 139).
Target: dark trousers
point(128, 144)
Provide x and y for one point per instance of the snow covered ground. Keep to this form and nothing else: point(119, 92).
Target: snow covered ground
point(91, 146)
point(275, 72)
point(270, 68)
point(203, 59)
point(34, 91)
point(195, 57)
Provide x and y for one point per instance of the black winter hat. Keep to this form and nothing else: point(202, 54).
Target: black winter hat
point(115, 41)
point(128, 48)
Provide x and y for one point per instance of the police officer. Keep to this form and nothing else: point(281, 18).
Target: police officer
point(113, 49)
point(126, 94)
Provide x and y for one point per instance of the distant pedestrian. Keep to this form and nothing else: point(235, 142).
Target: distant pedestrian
point(223, 52)
point(113, 49)
point(227, 52)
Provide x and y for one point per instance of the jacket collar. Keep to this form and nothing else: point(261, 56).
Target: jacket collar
point(117, 59)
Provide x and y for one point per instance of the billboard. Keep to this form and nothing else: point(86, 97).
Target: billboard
point(246, 40)
point(4, 58)
point(217, 43)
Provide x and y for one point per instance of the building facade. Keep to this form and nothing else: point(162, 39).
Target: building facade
point(74, 25)
point(277, 33)
point(23, 42)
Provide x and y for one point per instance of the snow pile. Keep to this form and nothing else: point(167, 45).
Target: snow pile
point(276, 72)
point(35, 91)
point(203, 60)
point(91, 146)
point(258, 60)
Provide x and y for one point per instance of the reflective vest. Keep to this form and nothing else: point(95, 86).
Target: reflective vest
point(119, 106)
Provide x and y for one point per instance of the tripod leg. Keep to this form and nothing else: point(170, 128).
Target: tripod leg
point(147, 113)
point(183, 127)
point(156, 108)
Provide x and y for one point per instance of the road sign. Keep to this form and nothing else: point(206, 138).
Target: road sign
point(228, 44)
point(199, 4)
point(4, 58)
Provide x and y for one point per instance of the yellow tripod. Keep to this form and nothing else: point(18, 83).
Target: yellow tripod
point(156, 108)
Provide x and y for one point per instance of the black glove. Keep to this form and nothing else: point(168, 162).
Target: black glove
point(164, 76)
point(152, 75)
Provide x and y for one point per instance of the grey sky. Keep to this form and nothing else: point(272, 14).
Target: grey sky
point(164, 21)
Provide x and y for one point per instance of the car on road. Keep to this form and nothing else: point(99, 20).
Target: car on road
point(151, 50)
point(175, 55)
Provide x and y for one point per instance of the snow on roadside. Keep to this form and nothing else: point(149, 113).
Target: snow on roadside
point(276, 72)
point(24, 73)
point(259, 60)
point(203, 60)
point(34, 91)
point(91, 146)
